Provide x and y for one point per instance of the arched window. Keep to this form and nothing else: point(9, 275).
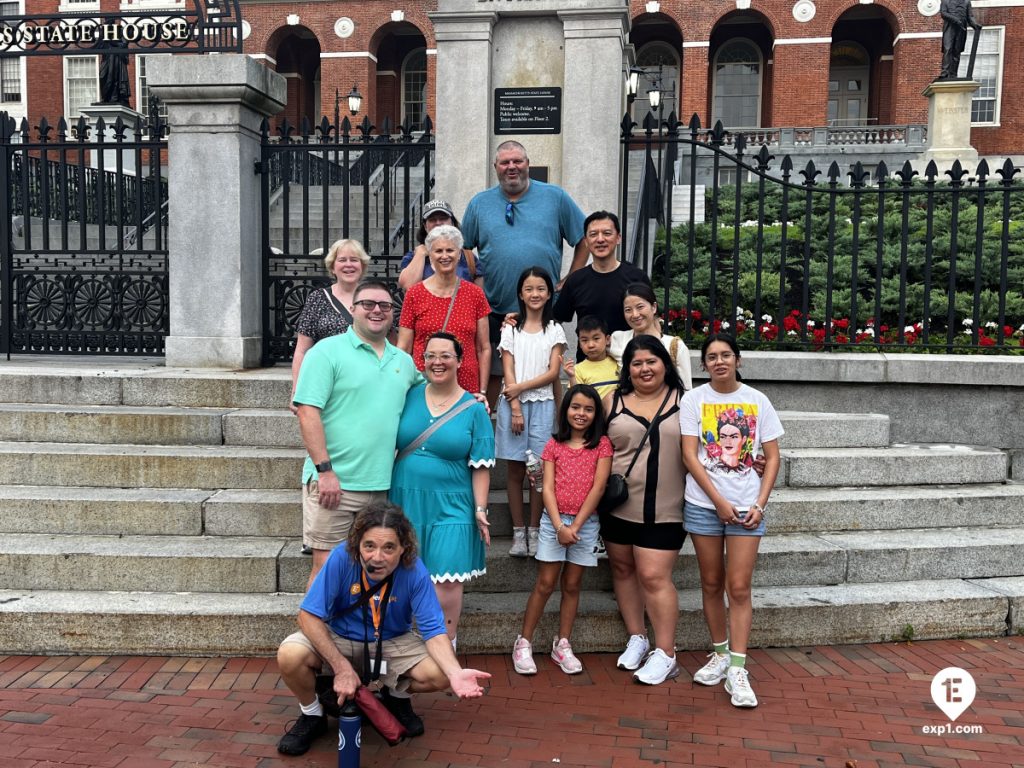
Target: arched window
point(737, 85)
point(414, 88)
point(660, 64)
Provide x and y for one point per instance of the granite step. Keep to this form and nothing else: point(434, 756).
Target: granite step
point(919, 464)
point(161, 623)
point(787, 559)
point(277, 512)
point(157, 563)
point(149, 466)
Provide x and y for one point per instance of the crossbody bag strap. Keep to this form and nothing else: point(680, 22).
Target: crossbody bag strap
point(338, 306)
point(426, 433)
point(650, 426)
point(448, 314)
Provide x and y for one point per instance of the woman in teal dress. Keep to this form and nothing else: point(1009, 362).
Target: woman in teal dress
point(442, 483)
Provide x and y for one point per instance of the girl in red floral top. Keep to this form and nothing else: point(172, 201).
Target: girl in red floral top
point(577, 462)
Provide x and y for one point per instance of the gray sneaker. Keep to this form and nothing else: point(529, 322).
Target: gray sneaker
point(737, 683)
point(533, 539)
point(518, 548)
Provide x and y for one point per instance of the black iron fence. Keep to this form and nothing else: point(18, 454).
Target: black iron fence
point(83, 237)
point(844, 258)
point(326, 182)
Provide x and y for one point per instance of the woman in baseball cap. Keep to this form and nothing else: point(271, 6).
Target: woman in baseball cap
point(416, 266)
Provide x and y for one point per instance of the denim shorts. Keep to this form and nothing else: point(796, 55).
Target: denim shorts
point(581, 553)
point(538, 421)
point(704, 522)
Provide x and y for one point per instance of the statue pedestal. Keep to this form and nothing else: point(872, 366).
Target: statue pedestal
point(949, 124)
point(110, 113)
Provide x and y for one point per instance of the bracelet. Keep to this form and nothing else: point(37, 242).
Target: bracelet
point(560, 527)
point(758, 507)
point(485, 510)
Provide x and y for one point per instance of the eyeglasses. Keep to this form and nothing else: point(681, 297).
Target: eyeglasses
point(367, 305)
point(725, 357)
point(444, 357)
point(510, 214)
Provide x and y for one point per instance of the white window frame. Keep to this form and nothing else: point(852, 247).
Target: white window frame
point(142, 99)
point(402, 83)
point(77, 6)
point(17, 108)
point(760, 80)
point(67, 104)
point(1001, 56)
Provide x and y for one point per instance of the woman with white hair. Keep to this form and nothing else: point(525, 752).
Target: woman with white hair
point(446, 302)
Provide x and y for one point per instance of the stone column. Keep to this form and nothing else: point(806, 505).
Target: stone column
point(215, 105)
point(110, 113)
point(464, 107)
point(949, 125)
point(592, 106)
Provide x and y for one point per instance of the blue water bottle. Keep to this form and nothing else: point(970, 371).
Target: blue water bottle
point(349, 736)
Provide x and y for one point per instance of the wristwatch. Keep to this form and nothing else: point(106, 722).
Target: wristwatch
point(324, 466)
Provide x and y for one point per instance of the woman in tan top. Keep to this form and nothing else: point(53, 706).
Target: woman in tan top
point(644, 535)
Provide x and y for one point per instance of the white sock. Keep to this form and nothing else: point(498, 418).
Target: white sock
point(315, 709)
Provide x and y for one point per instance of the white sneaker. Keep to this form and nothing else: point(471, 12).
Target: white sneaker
point(714, 671)
point(658, 668)
point(738, 684)
point(561, 653)
point(633, 656)
point(522, 657)
point(518, 548)
point(599, 549)
point(533, 539)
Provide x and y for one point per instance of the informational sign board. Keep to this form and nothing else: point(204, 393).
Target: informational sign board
point(527, 110)
point(196, 26)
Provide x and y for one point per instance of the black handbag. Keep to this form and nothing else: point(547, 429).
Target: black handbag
point(616, 492)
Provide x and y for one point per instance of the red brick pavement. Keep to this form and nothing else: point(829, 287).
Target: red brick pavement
point(846, 706)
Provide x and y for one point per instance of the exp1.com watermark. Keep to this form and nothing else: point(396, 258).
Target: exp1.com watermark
point(953, 690)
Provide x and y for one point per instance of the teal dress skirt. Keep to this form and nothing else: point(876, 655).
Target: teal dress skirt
point(434, 487)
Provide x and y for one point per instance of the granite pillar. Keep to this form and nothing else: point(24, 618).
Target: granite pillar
point(215, 105)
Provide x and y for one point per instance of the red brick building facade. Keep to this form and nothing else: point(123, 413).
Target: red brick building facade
point(749, 63)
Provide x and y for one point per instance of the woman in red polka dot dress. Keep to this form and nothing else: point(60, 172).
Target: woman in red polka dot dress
point(444, 301)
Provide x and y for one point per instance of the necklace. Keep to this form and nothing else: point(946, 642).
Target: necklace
point(655, 396)
point(442, 403)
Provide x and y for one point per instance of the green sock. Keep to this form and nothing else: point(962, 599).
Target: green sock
point(722, 648)
point(737, 659)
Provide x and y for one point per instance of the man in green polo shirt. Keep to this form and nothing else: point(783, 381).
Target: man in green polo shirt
point(350, 394)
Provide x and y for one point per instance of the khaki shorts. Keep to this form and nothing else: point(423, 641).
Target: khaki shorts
point(327, 528)
point(402, 653)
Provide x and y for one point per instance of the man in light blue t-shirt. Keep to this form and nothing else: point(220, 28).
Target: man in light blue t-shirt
point(516, 224)
point(350, 394)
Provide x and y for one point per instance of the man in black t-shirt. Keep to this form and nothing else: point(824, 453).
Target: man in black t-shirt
point(597, 289)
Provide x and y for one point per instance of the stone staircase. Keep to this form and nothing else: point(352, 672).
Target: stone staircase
point(152, 510)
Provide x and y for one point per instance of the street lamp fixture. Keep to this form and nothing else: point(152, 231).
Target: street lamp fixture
point(355, 100)
point(633, 82)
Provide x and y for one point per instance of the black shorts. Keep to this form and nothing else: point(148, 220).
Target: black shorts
point(666, 536)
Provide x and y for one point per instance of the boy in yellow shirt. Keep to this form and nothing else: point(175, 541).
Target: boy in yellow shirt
point(599, 370)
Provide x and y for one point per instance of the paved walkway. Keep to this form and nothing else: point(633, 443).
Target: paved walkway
point(846, 706)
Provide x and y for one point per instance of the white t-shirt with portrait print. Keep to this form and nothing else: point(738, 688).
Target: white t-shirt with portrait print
point(730, 429)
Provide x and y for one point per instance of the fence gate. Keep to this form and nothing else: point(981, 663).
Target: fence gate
point(329, 183)
point(83, 237)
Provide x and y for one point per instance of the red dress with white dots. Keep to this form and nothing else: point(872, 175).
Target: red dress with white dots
point(424, 313)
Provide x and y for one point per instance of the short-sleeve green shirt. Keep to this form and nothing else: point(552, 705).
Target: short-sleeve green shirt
point(360, 397)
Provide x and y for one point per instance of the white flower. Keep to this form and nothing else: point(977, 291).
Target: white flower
point(990, 324)
point(791, 333)
point(725, 324)
point(739, 311)
point(910, 329)
point(768, 318)
point(810, 323)
point(968, 322)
